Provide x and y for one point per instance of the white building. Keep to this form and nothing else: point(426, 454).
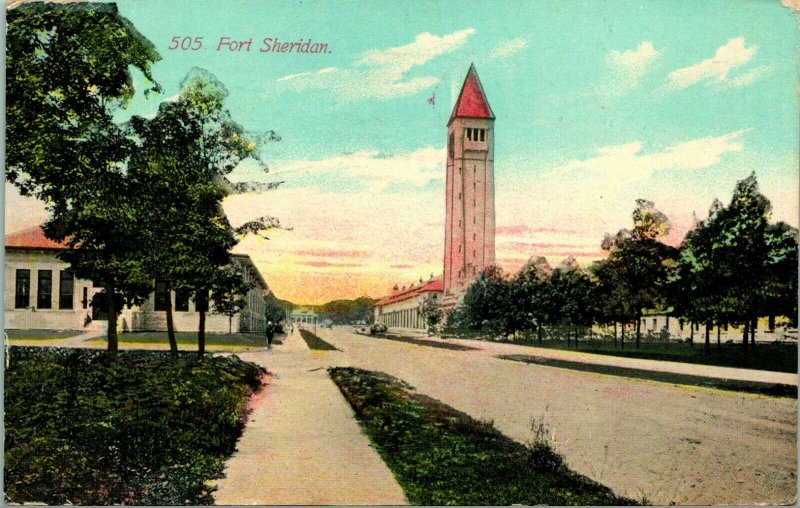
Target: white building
point(400, 310)
point(41, 293)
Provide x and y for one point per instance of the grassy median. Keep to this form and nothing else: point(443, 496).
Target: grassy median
point(441, 456)
point(139, 427)
point(314, 342)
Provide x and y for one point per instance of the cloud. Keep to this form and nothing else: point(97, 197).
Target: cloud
point(626, 162)
point(728, 57)
point(507, 48)
point(381, 74)
point(372, 168)
point(632, 64)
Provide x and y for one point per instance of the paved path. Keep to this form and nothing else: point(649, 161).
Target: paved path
point(302, 444)
point(670, 443)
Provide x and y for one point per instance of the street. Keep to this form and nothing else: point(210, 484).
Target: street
point(651, 441)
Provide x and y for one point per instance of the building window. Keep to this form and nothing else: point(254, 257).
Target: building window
point(85, 300)
point(483, 134)
point(469, 134)
point(66, 289)
point(161, 296)
point(182, 300)
point(44, 293)
point(23, 292)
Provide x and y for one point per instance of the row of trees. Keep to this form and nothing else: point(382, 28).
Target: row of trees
point(135, 201)
point(730, 269)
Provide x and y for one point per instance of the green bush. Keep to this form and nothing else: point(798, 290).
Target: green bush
point(140, 427)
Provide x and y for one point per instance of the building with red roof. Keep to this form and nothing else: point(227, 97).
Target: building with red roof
point(42, 293)
point(400, 309)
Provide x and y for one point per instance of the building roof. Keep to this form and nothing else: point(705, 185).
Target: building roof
point(32, 238)
point(471, 101)
point(434, 285)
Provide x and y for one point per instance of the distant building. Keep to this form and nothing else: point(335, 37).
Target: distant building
point(41, 293)
point(304, 316)
point(401, 308)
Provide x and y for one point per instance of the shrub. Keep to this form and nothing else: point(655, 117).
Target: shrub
point(140, 427)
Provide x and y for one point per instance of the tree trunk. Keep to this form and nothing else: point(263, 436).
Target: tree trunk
point(771, 324)
point(173, 344)
point(638, 330)
point(719, 344)
point(615, 334)
point(622, 343)
point(201, 305)
point(230, 323)
point(111, 305)
point(539, 332)
point(691, 333)
point(576, 337)
point(746, 333)
point(708, 338)
point(753, 326)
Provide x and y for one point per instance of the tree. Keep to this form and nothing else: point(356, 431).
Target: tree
point(613, 302)
point(530, 295)
point(737, 266)
point(182, 157)
point(229, 292)
point(487, 302)
point(68, 71)
point(640, 262)
point(431, 311)
point(571, 297)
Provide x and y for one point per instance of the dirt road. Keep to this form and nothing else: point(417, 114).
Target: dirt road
point(651, 441)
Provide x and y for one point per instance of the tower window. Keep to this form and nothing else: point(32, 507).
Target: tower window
point(469, 134)
point(459, 195)
point(450, 147)
point(483, 134)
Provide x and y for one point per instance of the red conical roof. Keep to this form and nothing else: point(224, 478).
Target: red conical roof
point(471, 101)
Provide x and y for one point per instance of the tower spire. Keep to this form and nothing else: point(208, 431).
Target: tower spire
point(471, 102)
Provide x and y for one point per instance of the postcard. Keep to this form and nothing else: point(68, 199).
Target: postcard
point(380, 253)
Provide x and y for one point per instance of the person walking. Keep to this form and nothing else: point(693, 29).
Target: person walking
point(270, 334)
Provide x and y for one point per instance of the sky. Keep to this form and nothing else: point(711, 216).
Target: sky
point(597, 103)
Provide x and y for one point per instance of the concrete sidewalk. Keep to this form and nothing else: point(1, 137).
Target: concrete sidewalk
point(302, 444)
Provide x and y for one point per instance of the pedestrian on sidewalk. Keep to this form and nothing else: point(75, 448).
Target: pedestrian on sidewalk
point(270, 334)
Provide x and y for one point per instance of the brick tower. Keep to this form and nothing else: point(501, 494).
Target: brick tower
point(469, 189)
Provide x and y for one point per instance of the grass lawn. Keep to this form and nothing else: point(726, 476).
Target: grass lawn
point(314, 342)
point(777, 357)
point(190, 338)
point(40, 335)
point(426, 342)
point(441, 456)
point(776, 390)
point(140, 427)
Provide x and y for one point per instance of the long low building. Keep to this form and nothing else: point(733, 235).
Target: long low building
point(42, 293)
point(400, 310)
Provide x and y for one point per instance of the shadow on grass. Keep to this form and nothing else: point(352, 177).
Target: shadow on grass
point(426, 342)
point(774, 390)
